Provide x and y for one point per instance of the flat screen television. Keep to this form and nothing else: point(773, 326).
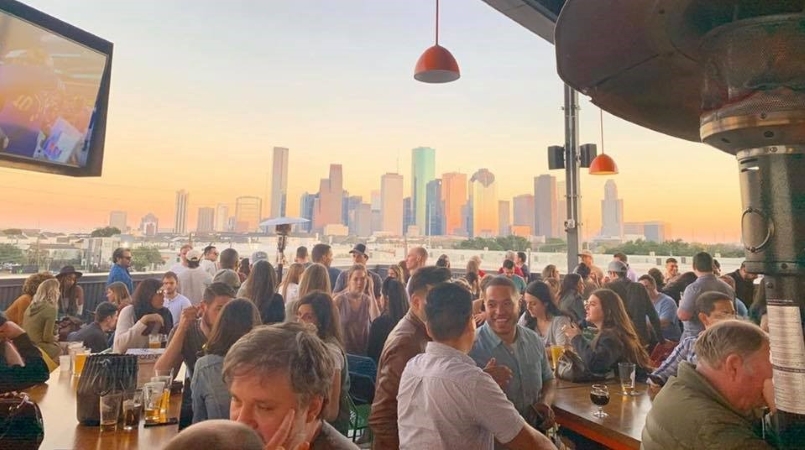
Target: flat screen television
point(54, 93)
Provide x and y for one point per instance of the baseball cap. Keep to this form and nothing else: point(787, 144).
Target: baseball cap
point(193, 255)
point(227, 276)
point(616, 266)
point(259, 255)
point(586, 253)
point(359, 248)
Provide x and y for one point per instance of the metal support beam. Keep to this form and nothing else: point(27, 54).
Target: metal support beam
point(573, 222)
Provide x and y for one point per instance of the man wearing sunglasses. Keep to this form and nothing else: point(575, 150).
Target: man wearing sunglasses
point(121, 258)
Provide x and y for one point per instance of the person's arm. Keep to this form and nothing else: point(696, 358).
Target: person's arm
point(670, 366)
point(340, 283)
point(653, 317)
point(687, 306)
point(529, 439)
point(199, 396)
point(17, 377)
point(128, 330)
point(172, 358)
point(11, 354)
point(383, 415)
point(79, 301)
point(601, 358)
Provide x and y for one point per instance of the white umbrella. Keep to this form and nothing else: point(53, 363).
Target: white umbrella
point(283, 221)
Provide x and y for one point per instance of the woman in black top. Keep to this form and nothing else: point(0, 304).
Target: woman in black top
point(262, 288)
point(395, 305)
point(21, 363)
point(616, 340)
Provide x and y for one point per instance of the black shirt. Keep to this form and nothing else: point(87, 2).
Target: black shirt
point(92, 336)
point(17, 378)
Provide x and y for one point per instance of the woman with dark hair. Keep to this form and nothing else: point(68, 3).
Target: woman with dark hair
point(145, 316)
point(405, 272)
point(356, 310)
point(71, 299)
point(243, 269)
point(261, 288)
point(571, 300)
point(318, 309)
point(393, 306)
point(443, 261)
point(210, 396)
point(616, 340)
point(659, 278)
point(16, 311)
point(675, 288)
point(542, 315)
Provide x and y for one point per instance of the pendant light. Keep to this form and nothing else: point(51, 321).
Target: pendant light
point(437, 64)
point(603, 164)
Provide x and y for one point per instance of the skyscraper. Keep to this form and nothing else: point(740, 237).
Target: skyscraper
point(360, 220)
point(279, 181)
point(248, 211)
point(408, 214)
point(119, 219)
point(434, 209)
point(423, 171)
point(206, 220)
point(504, 218)
point(306, 204)
point(149, 225)
point(611, 212)
point(484, 204)
point(377, 217)
point(561, 207)
point(221, 217)
point(545, 206)
point(454, 201)
point(524, 214)
point(391, 203)
point(328, 207)
point(655, 231)
point(180, 219)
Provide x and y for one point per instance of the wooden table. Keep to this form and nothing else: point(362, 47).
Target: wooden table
point(57, 400)
point(620, 430)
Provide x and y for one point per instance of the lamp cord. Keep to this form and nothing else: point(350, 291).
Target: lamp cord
point(601, 112)
point(437, 22)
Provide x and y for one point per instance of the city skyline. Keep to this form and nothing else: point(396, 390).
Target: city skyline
point(327, 109)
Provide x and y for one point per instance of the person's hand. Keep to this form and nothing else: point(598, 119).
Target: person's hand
point(653, 389)
point(546, 412)
point(189, 315)
point(571, 331)
point(479, 318)
point(501, 374)
point(10, 330)
point(152, 318)
point(282, 433)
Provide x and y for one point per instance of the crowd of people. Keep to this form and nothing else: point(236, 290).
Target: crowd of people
point(465, 351)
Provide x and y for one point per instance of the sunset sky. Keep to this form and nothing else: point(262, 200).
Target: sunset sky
point(202, 90)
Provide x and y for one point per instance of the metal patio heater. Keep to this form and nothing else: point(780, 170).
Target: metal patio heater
point(282, 226)
point(730, 73)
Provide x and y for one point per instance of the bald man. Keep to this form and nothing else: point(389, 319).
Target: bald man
point(216, 435)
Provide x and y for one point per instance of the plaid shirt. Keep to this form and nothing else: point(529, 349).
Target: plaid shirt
point(683, 352)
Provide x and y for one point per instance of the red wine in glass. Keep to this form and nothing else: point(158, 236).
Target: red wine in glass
point(599, 395)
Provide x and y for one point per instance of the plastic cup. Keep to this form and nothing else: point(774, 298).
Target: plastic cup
point(80, 360)
point(626, 373)
point(556, 353)
point(64, 363)
point(152, 400)
point(110, 410)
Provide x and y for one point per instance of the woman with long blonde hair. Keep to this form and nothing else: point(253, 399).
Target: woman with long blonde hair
point(314, 278)
point(289, 287)
point(39, 320)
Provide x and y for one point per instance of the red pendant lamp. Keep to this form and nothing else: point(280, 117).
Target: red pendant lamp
point(437, 64)
point(603, 164)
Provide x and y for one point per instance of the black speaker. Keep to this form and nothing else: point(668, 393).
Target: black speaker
point(587, 153)
point(556, 157)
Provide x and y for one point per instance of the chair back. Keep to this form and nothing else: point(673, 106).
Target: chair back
point(362, 365)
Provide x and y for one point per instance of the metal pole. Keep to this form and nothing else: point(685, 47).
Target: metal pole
point(572, 225)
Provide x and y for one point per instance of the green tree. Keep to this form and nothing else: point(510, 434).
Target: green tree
point(675, 248)
point(143, 257)
point(11, 253)
point(105, 232)
point(500, 243)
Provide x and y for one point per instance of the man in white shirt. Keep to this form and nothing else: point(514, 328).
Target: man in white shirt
point(181, 266)
point(194, 280)
point(209, 260)
point(174, 301)
point(445, 401)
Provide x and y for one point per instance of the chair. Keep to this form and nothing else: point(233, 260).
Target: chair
point(363, 365)
point(361, 388)
point(358, 421)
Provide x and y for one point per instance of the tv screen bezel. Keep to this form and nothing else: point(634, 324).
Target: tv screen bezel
point(94, 166)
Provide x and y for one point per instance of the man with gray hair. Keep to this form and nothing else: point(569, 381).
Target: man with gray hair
point(283, 373)
point(715, 404)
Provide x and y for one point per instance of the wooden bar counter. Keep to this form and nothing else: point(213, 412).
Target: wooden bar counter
point(57, 400)
point(620, 430)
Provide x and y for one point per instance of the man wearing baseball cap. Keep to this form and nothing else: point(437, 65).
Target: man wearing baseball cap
point(587, 258)
point(360, 257)
point(194, 280)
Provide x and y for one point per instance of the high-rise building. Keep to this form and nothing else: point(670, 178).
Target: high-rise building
point(655, 231)
point(248, 211)
point(504, 218)
point(279, 182)
point(611, 212)
point(524, 214)
point(391, 203)
point(306, 204)
point(545, 208)
point(206, 220)
point(180, 219)
point(408, 213)
point(119, 219)
point(377, 217)
point(360, 220)
point(484, 204)
point(454, 201)
point(434, 208)
point(221, 217)
point(351, 204)
point(328, 207)
point(149, 225)
point(423, 171)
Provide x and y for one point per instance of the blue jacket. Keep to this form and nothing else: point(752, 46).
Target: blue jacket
point(119, 273)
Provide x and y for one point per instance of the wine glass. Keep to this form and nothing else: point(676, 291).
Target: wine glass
point(599, 394)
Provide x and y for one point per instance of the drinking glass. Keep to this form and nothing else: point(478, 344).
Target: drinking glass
point(110, 410)
point(152, 400)
point(626, 373)
point(154, 341)
point(556, 353)
point(80, 360)
point(599, 395)
point(64, 363)
point(131, 415)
